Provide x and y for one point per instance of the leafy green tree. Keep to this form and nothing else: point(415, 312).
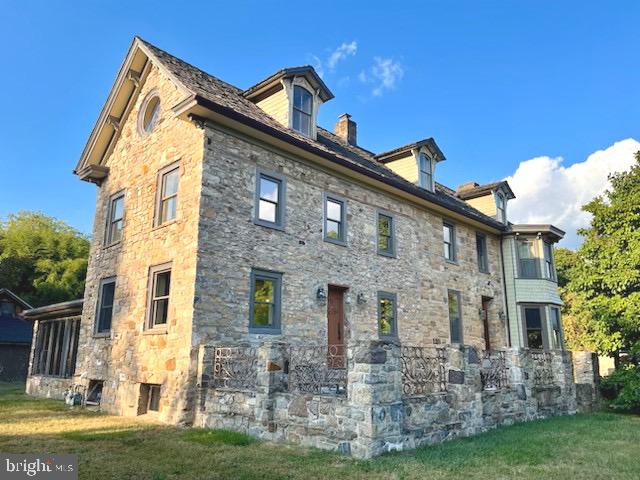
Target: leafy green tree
point(42, 260)
point(601, 280)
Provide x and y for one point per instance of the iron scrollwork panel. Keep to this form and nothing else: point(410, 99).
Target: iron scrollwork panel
point(423, 370)
point(320, 370)
point(235, 368)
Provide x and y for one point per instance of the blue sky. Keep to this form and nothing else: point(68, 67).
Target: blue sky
point(495, 83)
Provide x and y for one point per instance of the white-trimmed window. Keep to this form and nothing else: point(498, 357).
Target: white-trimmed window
point(149, 113)
point(159, 290)
point(556, 329)
point(449, 239)
point(115, 219)
point(549, 270)
point(302, 110)
point(167, 201)
point(501, 208)
point(426, 171)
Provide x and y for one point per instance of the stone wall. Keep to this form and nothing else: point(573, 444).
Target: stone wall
point(380, 409)
point(130, 354)
point(230, 244)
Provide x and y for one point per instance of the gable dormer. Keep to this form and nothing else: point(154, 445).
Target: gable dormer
point(415, 162)
point(491, 199)
point(292, 96)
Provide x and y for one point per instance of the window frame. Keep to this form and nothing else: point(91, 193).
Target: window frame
point(391, 252)
point(68, 331)
point(295, 110)
point(276, 277)
point(483, 268)
point(548, 263)
point(384, 295)
point(453, 249)
point(142, 131)
point(424, 175)
point(326, 197)
point(96, 324)
point(536, 257)
point(154, 270)
point(281, 209)
point(145, 398)
point(160, 199)
point(543, 325)
point(501, 212)
point(461, 328)
point(552, 329)
point(108, 233)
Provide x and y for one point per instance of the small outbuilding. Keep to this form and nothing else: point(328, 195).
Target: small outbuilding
point(15, 337)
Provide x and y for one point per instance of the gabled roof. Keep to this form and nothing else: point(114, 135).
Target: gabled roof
point(400, 152)
point(5, 292)
point(482, 190)
point(209, 97)
point(306, 71)
point(546, 230)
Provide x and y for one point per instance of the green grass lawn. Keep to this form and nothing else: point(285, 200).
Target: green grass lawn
point(598, 446)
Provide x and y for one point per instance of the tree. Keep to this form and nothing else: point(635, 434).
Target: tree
point(602, 278)
point(42, 260)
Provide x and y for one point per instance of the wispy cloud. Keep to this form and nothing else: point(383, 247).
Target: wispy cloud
point(343, 51)
point(346, 49)
point(384, 74)
point(548, 192)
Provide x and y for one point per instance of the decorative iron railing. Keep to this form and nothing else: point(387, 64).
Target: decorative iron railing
point(542, 367)
point(235, 368)
point(423, 370)
point(494, 371)
point(318, 369)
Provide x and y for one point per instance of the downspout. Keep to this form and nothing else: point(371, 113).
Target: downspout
point(504, 286)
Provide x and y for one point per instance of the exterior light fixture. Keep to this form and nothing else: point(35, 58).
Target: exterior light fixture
point(361, 299)
point(321, 295)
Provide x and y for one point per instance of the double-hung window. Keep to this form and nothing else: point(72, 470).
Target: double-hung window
point(269, 203)
point(455, 316)
point(265, 303)
point(386, 235)
point(335, 219)
point(556, 329)
point(481, 250)
point(549, 271)
point(528, 263)
point(449, 238)
point(168, 182)
point(115, 219)
point(387, 314)
point(501, 208)
point(426, 172)
point(534, 327)
point(159, 289)
point(302, 110)
point(104, 313)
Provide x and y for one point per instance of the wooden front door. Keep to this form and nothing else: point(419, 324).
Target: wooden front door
point(335, 326)
point(485, 321)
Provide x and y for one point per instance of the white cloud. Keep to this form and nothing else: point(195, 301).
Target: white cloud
point(384, 74)
point(343, 51)
point(548, 192)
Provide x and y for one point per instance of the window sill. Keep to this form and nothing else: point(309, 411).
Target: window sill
point(341, 243)
point(102, 335)
point(155, 331)
point(272, 226)
point(386, 254)
point(111, 245)
point(486, 272)
point(163, 225)
point(452, 262)
point(265, 331)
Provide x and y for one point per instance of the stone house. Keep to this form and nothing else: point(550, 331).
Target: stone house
point(252, 270)
point(15, 337)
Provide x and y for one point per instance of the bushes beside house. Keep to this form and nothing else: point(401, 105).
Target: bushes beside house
point(622, 388)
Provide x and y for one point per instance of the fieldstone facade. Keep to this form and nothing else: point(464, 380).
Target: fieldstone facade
point(365, 396)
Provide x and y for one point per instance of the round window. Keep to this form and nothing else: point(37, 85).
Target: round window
point(149, 113)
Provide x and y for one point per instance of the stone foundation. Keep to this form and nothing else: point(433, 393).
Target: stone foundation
point(373, 415)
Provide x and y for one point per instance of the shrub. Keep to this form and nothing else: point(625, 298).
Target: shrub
point(622, 387)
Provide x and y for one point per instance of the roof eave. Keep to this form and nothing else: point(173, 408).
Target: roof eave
point(56, 310)
point(401, 152)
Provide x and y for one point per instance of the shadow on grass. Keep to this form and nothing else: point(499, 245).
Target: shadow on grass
point(214, 437)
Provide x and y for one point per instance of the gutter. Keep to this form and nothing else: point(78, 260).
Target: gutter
point(504, 287)
point(56, 310)
point(392, 182)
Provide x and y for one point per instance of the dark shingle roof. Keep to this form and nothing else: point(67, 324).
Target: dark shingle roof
point(230, 101)
point(480, 190)
point(15, 330)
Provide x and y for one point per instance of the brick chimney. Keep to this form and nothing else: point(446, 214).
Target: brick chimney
point(466, 186)
point(346, 129)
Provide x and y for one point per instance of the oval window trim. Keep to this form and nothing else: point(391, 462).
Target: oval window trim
point(149, 113)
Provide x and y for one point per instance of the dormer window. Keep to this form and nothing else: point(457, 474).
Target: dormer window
point(501, 207)
point(426, 172)
point(302, 110)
